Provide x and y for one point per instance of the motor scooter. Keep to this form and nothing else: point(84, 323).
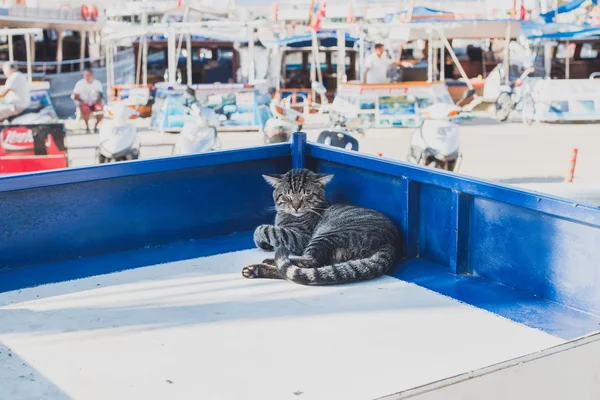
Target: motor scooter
point(281, 124)
point(436, 143)
point(199, 132)
point(118, 135)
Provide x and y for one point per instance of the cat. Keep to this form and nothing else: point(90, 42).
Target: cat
point(336, 244)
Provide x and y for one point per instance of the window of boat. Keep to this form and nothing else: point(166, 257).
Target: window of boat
point(203, 54)
point(225, 54)
point(589, 51)
point(322, 60)
point(561, 50)
point(334, 57)
point(156, 56)
point(293, 60)
point(468, 49)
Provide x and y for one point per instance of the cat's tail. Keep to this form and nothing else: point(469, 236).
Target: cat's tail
point(371, 267)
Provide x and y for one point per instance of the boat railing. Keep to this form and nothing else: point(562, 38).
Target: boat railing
point(45, 67)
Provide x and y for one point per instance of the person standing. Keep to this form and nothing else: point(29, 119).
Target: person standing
point(377, 65)
point(88, 96)
point(16, 92)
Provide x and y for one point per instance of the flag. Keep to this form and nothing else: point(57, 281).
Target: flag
point(350, 16)
point(316, 25)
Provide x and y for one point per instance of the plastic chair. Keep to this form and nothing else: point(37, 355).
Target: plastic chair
point(338, 139)
point(78, 117)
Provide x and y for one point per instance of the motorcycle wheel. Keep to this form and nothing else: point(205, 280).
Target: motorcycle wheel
point(528, 111)
point(503, 106)
point(101, 159)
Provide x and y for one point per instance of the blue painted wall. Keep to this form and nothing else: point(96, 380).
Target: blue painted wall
point(545, 246)
point(548, 256)
point(434, 223)
point(147, 206)
point(363, 188)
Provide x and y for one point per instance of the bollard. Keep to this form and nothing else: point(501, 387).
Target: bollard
point(573, 163)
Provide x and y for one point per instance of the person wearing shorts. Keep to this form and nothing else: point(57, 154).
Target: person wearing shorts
point(88, 96)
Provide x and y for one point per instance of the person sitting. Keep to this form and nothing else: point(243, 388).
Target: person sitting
point(16, 92)
point(377, 65)
point(88, 97)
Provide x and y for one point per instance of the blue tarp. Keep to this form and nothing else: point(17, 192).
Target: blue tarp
point(198, 38)
point(569, 35)
point(417, 12)
point(326, 39)
point(565, 8)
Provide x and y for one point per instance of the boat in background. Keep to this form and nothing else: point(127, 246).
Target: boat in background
point(70, 41)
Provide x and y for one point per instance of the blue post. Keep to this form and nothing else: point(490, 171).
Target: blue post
point(299, 150)
point(459, 233)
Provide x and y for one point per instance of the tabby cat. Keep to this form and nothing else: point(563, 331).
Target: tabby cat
point(334, 243)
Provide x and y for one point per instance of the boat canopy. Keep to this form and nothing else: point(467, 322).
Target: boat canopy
point(565, 8)
point(581, 34)
point(421, 13)
point(455, 29)
point(160, 32)
point(326, 39)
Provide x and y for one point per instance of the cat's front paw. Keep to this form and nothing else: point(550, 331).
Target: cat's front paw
point(250, 272)
point(261, 238)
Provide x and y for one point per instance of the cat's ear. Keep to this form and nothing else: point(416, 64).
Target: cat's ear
point(273, 180)
point(324, 179)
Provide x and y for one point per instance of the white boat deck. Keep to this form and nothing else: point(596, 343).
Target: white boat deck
point(196, 329)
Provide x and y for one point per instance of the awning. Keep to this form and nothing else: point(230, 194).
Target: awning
point(326, 39)
point(565, 8)
point(581, 34)
point(421, 13)
point(456, 29)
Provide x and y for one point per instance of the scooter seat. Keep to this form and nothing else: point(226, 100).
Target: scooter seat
point(338, 139)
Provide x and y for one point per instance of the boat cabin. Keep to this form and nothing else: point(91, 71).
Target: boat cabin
point(213, 61)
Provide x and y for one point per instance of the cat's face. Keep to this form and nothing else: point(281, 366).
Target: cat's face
point(299, 191)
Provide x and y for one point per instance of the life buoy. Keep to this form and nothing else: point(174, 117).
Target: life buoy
point(85, 12)
point(93, 13)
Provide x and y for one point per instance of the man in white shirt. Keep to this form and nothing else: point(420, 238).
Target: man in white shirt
point(88, 97)
point(377, 65)
point(15, 92)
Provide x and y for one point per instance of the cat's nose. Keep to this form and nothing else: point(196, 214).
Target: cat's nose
point(296, 204)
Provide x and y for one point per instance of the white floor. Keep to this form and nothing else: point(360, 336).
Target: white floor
point(197, 330)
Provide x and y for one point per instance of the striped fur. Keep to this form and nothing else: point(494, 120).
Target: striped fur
point(333, 244)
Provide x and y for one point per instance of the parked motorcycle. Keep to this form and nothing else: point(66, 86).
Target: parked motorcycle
point(199, 133)
point(436, 143)
point(281, 124)
point(516, 96)
point(118, 135)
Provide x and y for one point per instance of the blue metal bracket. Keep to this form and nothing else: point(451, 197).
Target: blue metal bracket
point(459, 233)
point(410, 220)
point(299, 152)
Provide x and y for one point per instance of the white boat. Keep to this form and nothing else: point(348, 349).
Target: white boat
point(70, 41)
